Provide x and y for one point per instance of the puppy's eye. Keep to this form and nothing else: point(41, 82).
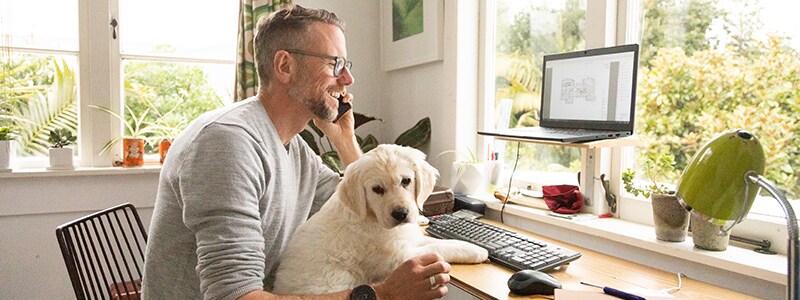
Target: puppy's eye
point(377, 189)
point(405, 182)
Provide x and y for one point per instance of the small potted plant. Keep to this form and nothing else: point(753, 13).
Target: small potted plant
point(670, 218)
point(134, 139)
point(6, 136)
point(468, 173)
point(61, 156)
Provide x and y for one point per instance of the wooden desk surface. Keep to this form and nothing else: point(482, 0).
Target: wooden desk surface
point(488, 281)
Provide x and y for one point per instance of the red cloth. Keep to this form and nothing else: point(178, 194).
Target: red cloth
point(563, 199)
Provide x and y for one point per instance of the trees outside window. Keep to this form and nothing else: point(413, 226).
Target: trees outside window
point(175, 59)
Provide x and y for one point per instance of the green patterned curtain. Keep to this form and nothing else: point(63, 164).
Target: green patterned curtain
point(250, 11)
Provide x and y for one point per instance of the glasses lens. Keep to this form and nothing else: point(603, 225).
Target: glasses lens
point(337, 68)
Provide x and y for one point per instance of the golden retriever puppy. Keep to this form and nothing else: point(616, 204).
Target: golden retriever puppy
point(368, 227)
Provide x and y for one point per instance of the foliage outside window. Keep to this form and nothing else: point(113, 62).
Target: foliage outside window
point(708, 66)
point(525, 32)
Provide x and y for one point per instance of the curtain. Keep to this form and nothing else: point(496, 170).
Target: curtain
point(250, 11)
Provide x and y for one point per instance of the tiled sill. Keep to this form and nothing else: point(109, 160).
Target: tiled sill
point(739, 260)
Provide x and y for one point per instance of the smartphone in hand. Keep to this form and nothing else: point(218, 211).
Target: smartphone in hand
point(343, 108)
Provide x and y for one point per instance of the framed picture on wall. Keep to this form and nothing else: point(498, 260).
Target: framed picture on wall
point(411, 32)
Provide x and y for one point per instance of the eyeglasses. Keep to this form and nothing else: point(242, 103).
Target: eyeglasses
point(339, 62)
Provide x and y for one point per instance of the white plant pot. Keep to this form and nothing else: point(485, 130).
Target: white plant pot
point(5, 156)
point(467, 178)
point(61, 159)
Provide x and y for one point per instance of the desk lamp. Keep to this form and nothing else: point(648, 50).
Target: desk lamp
point(721, 181)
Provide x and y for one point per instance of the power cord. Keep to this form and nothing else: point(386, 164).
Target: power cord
point(510, 179)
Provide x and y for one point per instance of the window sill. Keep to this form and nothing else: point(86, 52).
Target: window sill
point(81, 171)
point(739, 260)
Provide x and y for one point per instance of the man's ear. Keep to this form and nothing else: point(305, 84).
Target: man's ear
point(283, 65)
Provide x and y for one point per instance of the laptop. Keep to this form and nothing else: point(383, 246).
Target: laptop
point(586, 96)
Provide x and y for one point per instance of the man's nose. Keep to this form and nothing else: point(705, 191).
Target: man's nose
point(346, 78)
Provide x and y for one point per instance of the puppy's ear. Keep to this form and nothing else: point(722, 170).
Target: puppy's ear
point(352, 194)
point(425, 178)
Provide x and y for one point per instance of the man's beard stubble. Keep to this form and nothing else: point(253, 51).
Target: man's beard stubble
point(303, 91)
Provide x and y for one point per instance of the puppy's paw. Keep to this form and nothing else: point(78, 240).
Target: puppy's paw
point(480, 255)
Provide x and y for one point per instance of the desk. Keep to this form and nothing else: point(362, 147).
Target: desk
point(488, 281)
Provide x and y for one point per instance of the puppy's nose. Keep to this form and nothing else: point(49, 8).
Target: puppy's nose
point(400, 213)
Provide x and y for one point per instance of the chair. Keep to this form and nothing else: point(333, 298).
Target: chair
point(104, 253)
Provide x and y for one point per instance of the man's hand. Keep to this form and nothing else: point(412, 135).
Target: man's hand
point(412, 280)
point(342, 134)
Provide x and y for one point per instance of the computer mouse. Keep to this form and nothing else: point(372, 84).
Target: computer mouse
point(530, 282)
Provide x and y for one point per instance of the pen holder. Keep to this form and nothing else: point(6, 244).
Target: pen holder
point(493, 173)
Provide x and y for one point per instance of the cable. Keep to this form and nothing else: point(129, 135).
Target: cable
point(510, 179)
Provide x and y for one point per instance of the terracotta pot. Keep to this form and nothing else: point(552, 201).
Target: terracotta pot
point(670, 218)
point(163, 147)
point(132, 152)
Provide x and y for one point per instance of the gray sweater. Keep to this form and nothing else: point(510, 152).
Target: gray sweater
point(229, 198)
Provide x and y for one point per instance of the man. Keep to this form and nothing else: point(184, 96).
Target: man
point(239, 180)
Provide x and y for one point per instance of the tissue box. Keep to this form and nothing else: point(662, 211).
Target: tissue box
point(439, 202)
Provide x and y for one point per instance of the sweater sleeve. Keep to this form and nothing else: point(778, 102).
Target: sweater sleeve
point(221, 181)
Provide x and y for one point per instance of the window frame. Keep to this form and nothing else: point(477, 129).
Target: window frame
point(100, 81)
point(608, 23)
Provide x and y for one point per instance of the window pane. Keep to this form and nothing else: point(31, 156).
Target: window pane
point(27, 24)
point(199, 29)
point(173, 94)
point(525, 31)
point(39, 93)
point(709, 66)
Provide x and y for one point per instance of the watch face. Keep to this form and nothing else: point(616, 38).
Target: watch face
point(363, 292)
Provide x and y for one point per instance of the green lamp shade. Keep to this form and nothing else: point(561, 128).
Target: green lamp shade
point(714, 183)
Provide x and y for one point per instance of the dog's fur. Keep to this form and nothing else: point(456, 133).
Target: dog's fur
point(355, 238)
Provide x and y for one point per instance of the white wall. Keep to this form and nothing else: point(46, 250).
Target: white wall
point(31, 265)
point(403, 97)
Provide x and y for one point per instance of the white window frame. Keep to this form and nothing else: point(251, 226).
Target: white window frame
point(100, 83)
point(616, 23)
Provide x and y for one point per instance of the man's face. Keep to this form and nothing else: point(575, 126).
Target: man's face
point(314, 84)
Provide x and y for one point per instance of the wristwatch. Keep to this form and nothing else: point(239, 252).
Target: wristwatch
point(363, 292)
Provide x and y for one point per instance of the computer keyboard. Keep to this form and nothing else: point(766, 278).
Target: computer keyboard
point(507, 248)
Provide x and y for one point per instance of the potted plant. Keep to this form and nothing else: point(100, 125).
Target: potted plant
point(6, 136)
point(415, 137)
point(134, 140)
point(671, 220)
point(469, 172)
point(60, 156)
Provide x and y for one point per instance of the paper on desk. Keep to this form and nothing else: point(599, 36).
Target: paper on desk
point(562, 294)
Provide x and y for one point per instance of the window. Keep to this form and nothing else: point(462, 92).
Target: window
point(167, 61)
point(708, 66)
point(39, 71)
point(524, 32)
point(705, 66)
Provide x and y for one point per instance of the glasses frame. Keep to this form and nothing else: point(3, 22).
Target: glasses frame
point(339, 62)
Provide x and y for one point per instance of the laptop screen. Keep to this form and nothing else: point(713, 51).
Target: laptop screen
point(590, 89)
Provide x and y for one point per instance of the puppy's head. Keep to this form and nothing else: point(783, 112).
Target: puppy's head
point(388, 185)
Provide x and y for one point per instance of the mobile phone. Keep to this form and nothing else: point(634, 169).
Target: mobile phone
point(343, 108)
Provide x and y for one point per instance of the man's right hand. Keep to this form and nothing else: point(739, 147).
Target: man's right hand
point(412, 279)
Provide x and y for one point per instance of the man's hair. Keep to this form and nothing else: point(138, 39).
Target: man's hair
point(285, 29)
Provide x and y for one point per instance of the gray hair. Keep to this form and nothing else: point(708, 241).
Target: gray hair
point(284, 29)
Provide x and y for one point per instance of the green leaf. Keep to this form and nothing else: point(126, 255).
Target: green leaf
point(331, 159)
point(368, 143)
point(417, 135)
point(309, 138)
point(361, 119)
